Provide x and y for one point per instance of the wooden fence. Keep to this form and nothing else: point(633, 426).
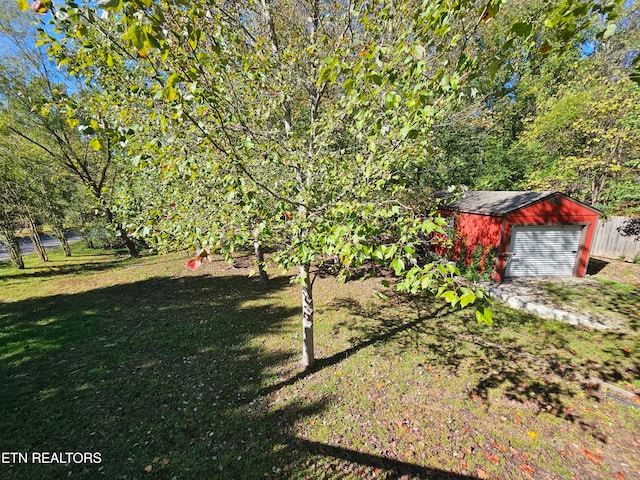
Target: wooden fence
point(608, 242)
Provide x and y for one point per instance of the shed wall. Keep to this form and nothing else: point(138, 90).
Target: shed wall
point(472, 230)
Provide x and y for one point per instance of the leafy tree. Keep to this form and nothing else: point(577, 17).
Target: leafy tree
point(20, 201)
point(38, 101)
point(591, 136)
point(9, 199)
point(318, 114)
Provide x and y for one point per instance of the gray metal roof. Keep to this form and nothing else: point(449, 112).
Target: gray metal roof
point(498, 203)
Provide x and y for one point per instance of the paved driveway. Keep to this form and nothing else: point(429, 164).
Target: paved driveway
point(26, 246)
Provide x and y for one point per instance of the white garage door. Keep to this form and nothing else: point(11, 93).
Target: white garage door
point(543, 250)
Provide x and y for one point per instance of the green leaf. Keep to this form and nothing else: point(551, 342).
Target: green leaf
point(451, 297)
point(611, 29)
point(467, 298)
point(484, 316)
point(522, 29)
point(110, 4)
point(170, 94)
point(135, 36)
point(398, 266)
point(172, 80)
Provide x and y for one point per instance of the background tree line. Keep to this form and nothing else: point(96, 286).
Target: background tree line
point(567, 120)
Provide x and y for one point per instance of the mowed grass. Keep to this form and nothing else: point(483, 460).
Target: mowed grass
point(170, 374)
point(602, 298)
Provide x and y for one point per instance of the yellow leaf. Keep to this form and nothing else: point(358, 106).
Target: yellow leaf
point(23, 5)
point(95, 143)
point(532, 434)
point(339, 372)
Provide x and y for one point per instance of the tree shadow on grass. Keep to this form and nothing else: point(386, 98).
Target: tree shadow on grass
point(547, 379)
point(60, 269)
point(603, 298)
point(165, 378)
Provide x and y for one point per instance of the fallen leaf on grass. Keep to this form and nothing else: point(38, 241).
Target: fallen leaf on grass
point(157, 459)
point(532, 434)
point(620, 476)
point(492, 458)
point(148, 468)
point(592, 457)
point(165, 462)
point(482, 475)
point(526, 468)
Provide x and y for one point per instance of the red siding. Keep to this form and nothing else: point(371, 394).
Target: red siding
point(495, 231)
point(472, 230)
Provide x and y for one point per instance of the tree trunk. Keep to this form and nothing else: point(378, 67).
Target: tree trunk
point(61, 236)
point(34, 235)
point(308, 357)
point(10, 243)
point(257, 247)
point(128, 242)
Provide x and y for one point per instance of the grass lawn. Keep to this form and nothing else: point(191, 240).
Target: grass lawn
point(171, 374)
point(604, 299)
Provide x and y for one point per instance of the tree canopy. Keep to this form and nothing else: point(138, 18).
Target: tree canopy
point(308, 126)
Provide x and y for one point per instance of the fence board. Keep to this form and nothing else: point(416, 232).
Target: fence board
point(608, 242)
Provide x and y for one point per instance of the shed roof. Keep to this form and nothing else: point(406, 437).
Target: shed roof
point(498, 203)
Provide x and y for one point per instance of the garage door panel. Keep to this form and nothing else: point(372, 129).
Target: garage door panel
point(549, 250)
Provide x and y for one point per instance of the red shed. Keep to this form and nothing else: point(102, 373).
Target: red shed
point(532, 233)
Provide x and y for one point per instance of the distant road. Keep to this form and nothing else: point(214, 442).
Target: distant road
point(26, 246)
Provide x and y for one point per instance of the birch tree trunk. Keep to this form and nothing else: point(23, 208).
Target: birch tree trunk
point(10, 243)
point(308, 357)
point(257, 247)
point(34, 235)
point(61, 236)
